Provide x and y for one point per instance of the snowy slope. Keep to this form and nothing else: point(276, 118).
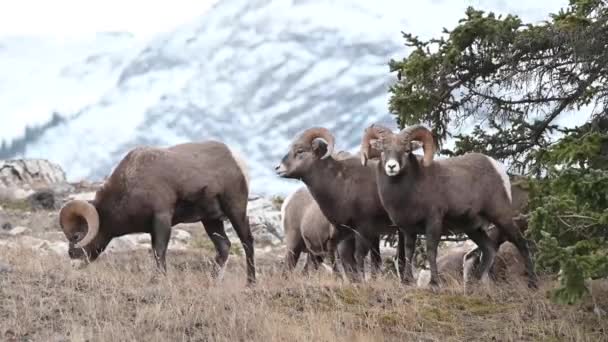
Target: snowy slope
point(253, 73)
point(42, 75)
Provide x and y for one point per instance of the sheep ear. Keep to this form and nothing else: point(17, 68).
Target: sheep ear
point(319, 147)
point(376, 144)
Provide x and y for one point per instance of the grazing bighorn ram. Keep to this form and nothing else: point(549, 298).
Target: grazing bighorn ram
point(424, 196)
point(344, 189)
point(153, 189)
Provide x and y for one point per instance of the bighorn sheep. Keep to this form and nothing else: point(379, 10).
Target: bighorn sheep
point(449, 266)
point(423, 196)
point(153, 189)
point(306, 229)
point(345, 191)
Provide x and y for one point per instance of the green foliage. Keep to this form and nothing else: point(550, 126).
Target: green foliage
point(570, 216)
point(512, 81)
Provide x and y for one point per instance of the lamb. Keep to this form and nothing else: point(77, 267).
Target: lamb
point(345, 191)
point(153, 189)
point(423, 196)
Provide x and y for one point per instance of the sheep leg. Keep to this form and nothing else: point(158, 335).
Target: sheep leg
point(409, 248)
point(346, 252)
point(401, 254)
point(375, 257)
point(488, 252)
point(514, 235)
point(433, 235)
point(217, 234)
point(333, 251)
point(295, 246)
point(312, 260)
point(161, 233)
point(362, 247)
point(240, 223)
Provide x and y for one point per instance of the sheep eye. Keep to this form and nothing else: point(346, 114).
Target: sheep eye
point(299, 151)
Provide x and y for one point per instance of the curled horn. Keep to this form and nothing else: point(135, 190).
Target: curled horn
point(422, 134)
point(312, 134)
point(374, 131)
point(70, 216)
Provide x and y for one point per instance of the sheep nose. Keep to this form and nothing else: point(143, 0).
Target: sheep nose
point(392, 166)
point(276, 168)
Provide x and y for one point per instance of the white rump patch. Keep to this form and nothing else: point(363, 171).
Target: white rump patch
point(284, 208)
point(501, 170)
point(242, 165)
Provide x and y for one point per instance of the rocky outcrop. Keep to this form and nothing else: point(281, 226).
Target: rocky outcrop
point(265, 222)
point(30, 174)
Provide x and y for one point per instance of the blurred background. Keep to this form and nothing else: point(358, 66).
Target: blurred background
point(83, 82)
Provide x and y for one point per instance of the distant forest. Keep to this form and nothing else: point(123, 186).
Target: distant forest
point(17, 146)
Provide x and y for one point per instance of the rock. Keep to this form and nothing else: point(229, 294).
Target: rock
point(181, 235)
point(18, 231)
point(4, 268)
point(142, 239)
point(4, 224)
point(13, 193)
point(43, 199)
point(84, 196)
point(265, 221)
point(58, 247)
point(30, 173)
point(123, 243)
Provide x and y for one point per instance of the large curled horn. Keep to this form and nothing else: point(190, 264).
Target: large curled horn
point(314, 133)
point(422, 134)
point(71, 214)
point(372, 132)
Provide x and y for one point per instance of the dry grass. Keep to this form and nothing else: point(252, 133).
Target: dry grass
point(118, 299)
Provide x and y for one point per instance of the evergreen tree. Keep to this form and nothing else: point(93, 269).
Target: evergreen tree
point(515, 81)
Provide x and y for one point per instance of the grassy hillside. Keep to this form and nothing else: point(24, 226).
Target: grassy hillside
point(118, 299)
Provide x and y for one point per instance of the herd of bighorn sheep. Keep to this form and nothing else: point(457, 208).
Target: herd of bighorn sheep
point(347, 203)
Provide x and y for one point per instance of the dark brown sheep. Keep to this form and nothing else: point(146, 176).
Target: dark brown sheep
point(423, 196)
point(153, 189)
point(344, 189)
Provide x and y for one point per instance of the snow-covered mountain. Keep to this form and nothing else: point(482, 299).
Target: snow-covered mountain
point(252, 73)
point(39, 76)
